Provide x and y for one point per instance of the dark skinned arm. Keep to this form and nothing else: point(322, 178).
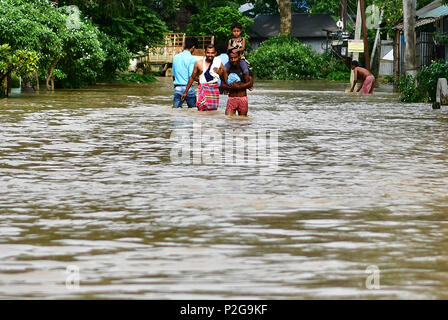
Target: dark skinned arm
point(225, 77)
point(248, 83)
point(191, 80)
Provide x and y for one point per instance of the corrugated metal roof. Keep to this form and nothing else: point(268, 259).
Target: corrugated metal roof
point(433, 5)
point(418, 23)
point(435, 13)
point(303, 25)
point(428, 14)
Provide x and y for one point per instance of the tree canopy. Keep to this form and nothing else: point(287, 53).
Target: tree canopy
point(66, 43)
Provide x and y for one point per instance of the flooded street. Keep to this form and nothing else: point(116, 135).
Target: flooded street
point(87, 183)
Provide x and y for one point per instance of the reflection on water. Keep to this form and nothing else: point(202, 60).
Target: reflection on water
point(86, 180)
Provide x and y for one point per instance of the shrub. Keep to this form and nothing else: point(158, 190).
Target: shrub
point(338, 76)
point(286, 58)
point(408, 89)
point(137, 78)
point(422, 88)
point(332, 68)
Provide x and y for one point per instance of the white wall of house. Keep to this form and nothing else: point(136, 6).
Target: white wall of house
point(318, 44)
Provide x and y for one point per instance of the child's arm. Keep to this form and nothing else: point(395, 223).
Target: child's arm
point(229, 46)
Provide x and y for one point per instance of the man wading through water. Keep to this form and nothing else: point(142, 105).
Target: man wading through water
point(242, 81)
point(208, 70)
point(183, 65)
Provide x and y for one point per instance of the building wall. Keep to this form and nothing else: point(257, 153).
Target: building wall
point(318, 44)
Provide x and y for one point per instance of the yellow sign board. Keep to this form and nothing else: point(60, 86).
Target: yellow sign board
point(356, 46)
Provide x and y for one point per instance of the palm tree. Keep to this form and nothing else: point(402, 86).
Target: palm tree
point(285, 17)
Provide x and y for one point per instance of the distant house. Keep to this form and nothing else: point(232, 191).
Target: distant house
point(309, 29)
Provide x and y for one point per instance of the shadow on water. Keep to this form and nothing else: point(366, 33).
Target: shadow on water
point(86, 180)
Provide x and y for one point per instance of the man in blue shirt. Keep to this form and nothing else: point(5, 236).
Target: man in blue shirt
point(183, 65)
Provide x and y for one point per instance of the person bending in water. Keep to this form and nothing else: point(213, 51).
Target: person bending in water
point(365, 76)
point(209, 70)
point(234, 71)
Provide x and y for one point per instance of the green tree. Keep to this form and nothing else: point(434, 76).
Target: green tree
point(134, 23)
point(68, 46)
point(22, 62)
point(218, 21)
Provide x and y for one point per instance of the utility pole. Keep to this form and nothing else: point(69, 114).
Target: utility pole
point(377, 39)
point(364, 35)
point(357, 37)
point(344, 14)
point(410, 59)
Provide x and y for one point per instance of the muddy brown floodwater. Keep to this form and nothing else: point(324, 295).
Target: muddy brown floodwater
point(87, 184)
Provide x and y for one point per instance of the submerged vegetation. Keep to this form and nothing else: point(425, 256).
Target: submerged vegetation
point(422, 87)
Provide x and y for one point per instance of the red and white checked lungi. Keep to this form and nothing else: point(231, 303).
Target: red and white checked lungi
point(208, 98)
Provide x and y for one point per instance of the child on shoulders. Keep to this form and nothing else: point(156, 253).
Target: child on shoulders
point(238, 45)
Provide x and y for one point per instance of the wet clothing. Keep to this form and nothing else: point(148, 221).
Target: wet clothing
point(209, 76)
point(183, 66)
point(368, 85)
point(190, 99)
point(240, 72)
point(240, 104)
point(208, 99)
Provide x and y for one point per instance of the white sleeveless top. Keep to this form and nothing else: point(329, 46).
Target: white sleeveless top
point(216, 64)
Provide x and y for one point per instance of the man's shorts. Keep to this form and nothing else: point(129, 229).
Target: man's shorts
point(190, 99)
point(240, 104)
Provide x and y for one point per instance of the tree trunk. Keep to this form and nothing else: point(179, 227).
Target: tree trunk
point(285, 17)
point(410, 59)
point(50, 75)
point(2, 87)
point(4, 83)
point(344, 14)
point(37, 81)
point(8, 84)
